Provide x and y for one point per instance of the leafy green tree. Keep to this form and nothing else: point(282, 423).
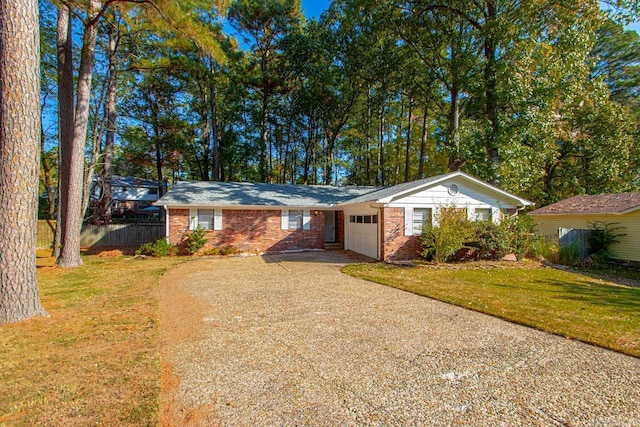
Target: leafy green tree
point(263, 25)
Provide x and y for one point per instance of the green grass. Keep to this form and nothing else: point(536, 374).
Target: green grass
point(95, 359)
point(568, 304)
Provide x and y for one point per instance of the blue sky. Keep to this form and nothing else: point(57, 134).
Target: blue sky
point(313, 8)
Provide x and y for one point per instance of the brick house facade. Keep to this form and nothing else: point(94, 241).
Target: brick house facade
point(257, 230)
point(394, 243)
point(382, 223)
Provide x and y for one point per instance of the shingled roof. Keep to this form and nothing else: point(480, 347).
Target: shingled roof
point(619, 203)
point(256, 194)
point(200, 193)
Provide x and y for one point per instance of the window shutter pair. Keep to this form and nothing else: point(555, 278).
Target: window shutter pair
point(306, 220)
point(217, 219)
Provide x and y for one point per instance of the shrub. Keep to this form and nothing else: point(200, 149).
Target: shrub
point(229, 250)
point(439, 243)
point(547, 249)
point(225, 250)
point(490, 240)
point(570, 254)
point(601, 236)
point(520, 235)
point(195, 240)
point(211, 251)
point(159, 248)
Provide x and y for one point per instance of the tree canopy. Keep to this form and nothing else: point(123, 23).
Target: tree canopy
point(537, 97)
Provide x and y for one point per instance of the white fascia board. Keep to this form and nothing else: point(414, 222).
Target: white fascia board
point(249, 207)
point(522, 202)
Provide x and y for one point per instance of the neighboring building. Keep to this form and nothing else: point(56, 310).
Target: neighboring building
point(131, 197)
point(578, 212)
point(382, 223)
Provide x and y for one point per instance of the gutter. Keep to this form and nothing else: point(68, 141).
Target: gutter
point(166, 222)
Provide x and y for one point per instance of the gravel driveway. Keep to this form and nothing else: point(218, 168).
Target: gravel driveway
point(289, 340)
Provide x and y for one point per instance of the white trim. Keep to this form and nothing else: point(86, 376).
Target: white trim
point(217, 219)
point(496, 215)
point(390, 198)
point(193, 219)
point(284, 219)
point(166, 223)
point(408, 221)
point(306, 220)
point(251, 207)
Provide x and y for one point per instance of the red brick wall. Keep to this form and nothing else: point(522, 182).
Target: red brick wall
point(178, 224)
point(395, 245)
point(254, 230)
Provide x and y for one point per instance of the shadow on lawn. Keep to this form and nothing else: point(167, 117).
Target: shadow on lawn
point(593, 293)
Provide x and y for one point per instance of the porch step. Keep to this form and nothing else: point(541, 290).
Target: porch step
point(333, 246)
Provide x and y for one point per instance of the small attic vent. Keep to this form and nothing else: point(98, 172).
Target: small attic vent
point(454, 190)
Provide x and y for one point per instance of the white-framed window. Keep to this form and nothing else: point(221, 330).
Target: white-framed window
point(295, 220)
point(421, 216)
point(483, 214)
point(363, 219)
point(205, 219)
point(208, 219)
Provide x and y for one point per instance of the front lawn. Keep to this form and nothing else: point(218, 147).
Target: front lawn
point(560, 302)
point(95, 359)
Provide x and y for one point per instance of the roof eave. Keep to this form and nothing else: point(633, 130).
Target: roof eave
point(242, 207)
point(520, 201)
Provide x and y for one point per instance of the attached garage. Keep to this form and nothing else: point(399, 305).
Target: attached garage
point(381, 223)
point(386, 224)
point(362, 231)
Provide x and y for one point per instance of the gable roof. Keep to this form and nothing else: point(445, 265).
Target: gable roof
point(207, 193)
point(204, 193)
point(385, 195)
point(619, 203)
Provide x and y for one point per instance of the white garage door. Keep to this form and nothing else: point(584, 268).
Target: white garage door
point(362, 234)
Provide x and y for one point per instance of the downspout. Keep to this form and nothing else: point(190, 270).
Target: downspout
point(380, 237)
point(166, 223)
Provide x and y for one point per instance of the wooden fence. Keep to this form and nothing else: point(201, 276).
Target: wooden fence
point(574, 236)
point(114, 235)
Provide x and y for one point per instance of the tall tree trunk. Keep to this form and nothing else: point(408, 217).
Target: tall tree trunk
point(203, 166)
point(454, 134)
point(381, 179)
point(491, 93)
point(112, 115)
point(368, 139)
point(96, 137)
point(158, 148)
point(213, 127)
point(407, 154)
point(19, 159)
point(308, 155)
point(66, 115)
point(423, 139)
point(396, 174)
point(159, 171)
point(264, 165)
point(70, 254)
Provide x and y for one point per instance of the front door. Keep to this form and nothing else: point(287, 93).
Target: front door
point(329, 226)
